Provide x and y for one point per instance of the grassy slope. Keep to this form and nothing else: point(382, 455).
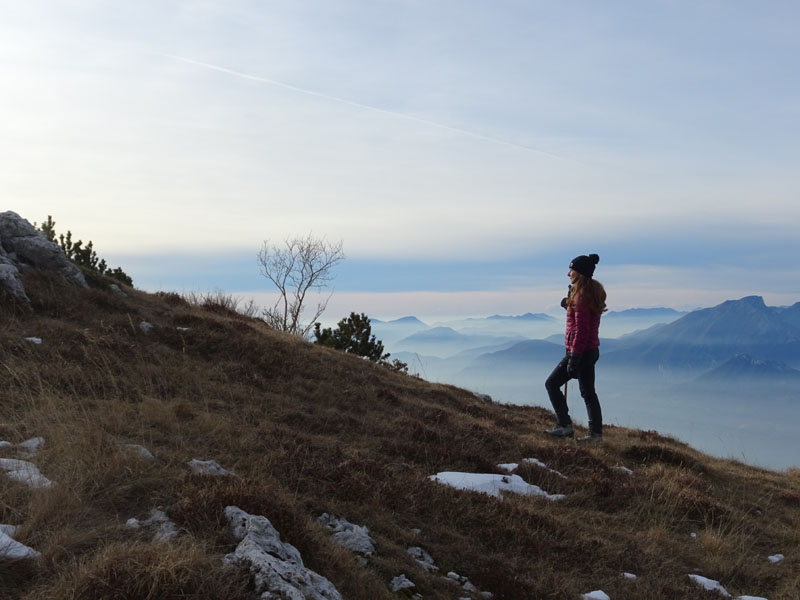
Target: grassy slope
point(307, 430)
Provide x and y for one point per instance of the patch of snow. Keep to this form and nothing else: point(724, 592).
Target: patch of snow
point(508, 466)
point(622, 469)
point(34, 340)
point(539, 463)
point(775, 558)
point(141, 451)
point(492, 484)
point(596, 595)
point(163, 528)
point(117, 290)
point(693, 535)
point(4, 444)
point(24, 472)
point(145, 327)
point(277, 567)
point(11, 548)
point(630, 576)
point(401, 582)
point(423, 558)
point(207, 467)
point(749, 598)
point(183, 329)
point(351, 536)
point(31, 447)
point(709, 584)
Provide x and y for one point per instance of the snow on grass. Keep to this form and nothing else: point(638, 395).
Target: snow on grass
point(492, 484)
point(34, 340)
point(31, 447)
point(775, 558)
point(622, 469)
point(710, 585)
point(11, 548)
point(630, 576)
point(24, 472)
point(596, 595)
point(514, 466)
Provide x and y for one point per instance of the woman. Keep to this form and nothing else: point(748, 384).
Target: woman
point(585, 302)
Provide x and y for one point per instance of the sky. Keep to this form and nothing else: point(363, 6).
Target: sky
point(463, 151)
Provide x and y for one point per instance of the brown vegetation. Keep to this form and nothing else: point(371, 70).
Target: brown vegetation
point(306, 430)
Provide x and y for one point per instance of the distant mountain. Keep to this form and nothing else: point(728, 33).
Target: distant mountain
point(744, 367)
point(525, 317)
point(666, 314)
point(706, 338)
point(391, 331)
point(617, 323)
point(445, 341)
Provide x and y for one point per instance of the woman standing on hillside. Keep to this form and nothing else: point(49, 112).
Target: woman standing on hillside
point(585, 303)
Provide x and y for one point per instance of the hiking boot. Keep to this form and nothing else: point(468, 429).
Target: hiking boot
point(592, 438)
point(560, 431)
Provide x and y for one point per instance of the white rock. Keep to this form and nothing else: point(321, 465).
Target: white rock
point(401, 582)
point(145, 327)
point(423, 558)
point(277, 567)
point(182, 329)
point(24, 472)
point(34, 340)
point(133, 523)
point(775, 558)
point(207, 467)
point(12, 549)
point(487, 595)
point(117, 290)
point(353, 537)
point(140, 451)
point(630, 576)
point(468, 585)
point(596, 595)
point(492, 484)
point(4, 444)
point(693, 535)
point(709, 584)
point(622, 469)
point(31, 447)
point(749, 598)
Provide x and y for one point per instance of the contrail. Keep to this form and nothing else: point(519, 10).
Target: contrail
point(384, 111)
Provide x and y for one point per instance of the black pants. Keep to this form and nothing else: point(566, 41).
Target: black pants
point(586, 383)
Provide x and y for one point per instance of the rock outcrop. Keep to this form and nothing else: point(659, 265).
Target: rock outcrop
point(23, 246)
point(277, 567)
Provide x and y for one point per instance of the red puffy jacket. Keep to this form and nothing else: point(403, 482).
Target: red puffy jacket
point(583, 328)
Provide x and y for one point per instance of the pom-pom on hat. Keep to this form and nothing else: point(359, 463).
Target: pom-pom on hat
point(585, 264)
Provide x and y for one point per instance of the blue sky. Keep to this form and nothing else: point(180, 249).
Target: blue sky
point(463, 151)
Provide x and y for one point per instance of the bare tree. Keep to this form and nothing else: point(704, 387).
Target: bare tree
point(300, 265)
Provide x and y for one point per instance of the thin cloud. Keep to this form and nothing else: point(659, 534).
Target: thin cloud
point(359, 105)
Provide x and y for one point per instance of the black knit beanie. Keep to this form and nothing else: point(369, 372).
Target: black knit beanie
point(584, 264)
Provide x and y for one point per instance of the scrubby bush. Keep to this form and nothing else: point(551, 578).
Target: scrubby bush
point(354, 335)
point(83, 256)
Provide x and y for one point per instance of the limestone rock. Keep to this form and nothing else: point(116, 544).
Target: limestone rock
point(277, 567)
point(23, 246)
point(353, 537)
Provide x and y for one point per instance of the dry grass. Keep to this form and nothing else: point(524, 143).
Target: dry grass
point(306, 430)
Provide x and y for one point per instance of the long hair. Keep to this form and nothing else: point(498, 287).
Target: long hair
point(587, 290)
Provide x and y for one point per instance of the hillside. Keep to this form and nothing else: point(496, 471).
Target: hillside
point(304, 430)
